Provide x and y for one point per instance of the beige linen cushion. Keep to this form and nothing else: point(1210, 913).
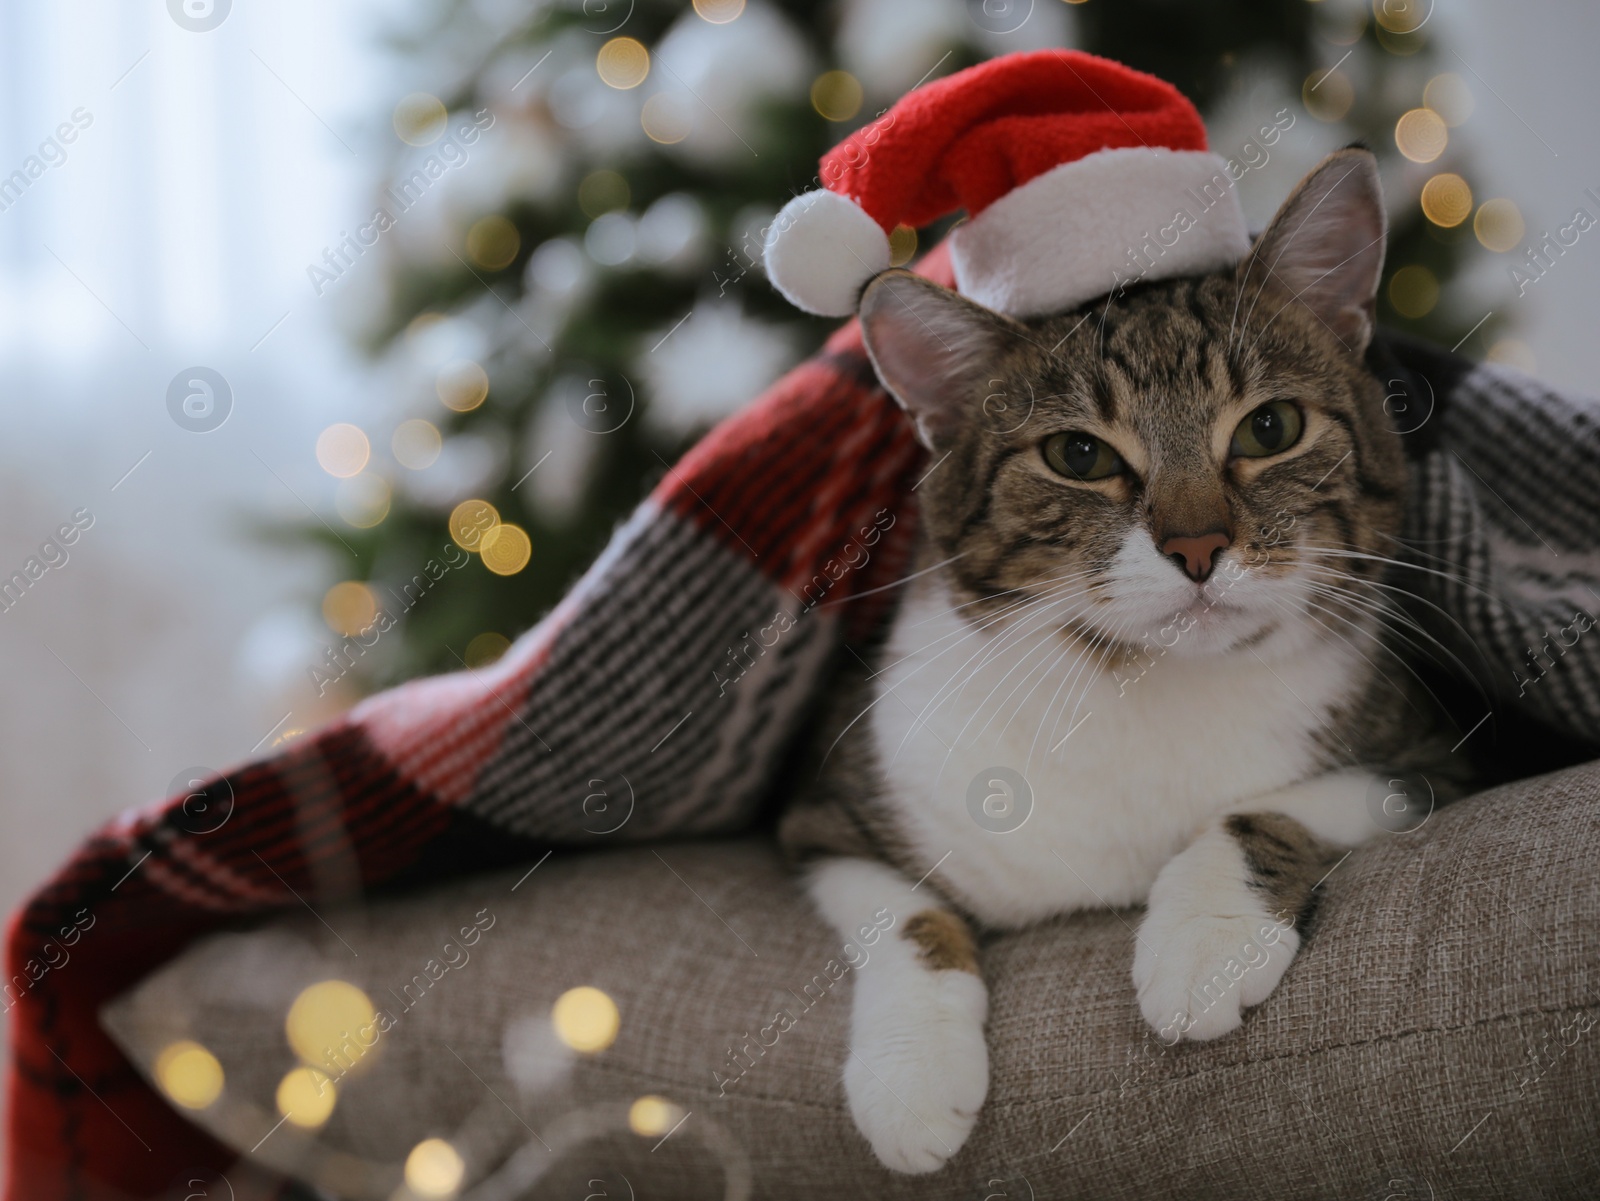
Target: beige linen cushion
point(1433, 1039)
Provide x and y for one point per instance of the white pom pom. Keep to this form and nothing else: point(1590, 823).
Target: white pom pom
point(821, 251)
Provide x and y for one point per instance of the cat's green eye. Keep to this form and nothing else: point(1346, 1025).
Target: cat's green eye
point(1081, 456)
point(1269, 430)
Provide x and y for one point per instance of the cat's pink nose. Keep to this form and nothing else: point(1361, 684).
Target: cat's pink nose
point(1196, 555)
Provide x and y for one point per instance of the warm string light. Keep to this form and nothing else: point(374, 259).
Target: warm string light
point(1413, 291)
point(718, 12)
point(306, 1097)
point(1421, 135)
point(189, 1074)
point(837, 95)
point(667, 117)
point(416, 444)
point(1328, 94)
point(349, 608)
point(1499, 225)
point(1401, 16)
point(623, 63)
point(1447, 200)
point(486, 649)
point(1513, 352)
point(470, 521)
point(493, 242)
point(506, 549)
point(326, 1022)
point(653, 1117)
point(462, 386)
point(343, 450)
point(434, 1169)
point(585, 1019)
point(419, 119)
point(902, 245)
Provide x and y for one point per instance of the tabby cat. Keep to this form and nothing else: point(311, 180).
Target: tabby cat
point(1141, 655)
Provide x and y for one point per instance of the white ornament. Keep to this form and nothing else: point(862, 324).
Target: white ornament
point(822, 250)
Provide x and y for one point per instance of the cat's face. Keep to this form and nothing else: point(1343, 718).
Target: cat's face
point(1191, 465)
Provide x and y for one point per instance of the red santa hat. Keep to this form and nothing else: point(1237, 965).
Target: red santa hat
point(1076, 174)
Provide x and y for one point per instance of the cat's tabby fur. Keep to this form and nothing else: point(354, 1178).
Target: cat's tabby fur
point(1063, 715)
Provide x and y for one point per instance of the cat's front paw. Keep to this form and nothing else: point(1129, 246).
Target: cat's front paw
point(919, 1070)
point(1197, 973)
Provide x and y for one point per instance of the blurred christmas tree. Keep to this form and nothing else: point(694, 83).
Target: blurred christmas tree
point(570, 284)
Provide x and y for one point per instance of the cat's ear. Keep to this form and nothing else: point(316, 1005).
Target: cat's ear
point(1324, 249)
point(934, 349)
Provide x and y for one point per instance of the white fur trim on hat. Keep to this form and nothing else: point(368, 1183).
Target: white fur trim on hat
point(821, 250)
point(1087, 227)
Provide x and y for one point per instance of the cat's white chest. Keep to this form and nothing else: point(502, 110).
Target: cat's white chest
point(1118, 774)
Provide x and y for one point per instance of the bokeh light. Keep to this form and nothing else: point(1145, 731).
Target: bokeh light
point(902, 245)
point(506, 549)
point(493, 242)
point(652, 1117)
point(602, 192)
point(1421, 135)
point(419, 119)
point(349, 607)
point(470, 521)
point(1499, 225)
point(1413, 291)
point(462, 386)
point(1447, 200)
point(343, 450)
point(667, 117)
point(1401, 16)
point(330, 1021)
point(1448, 96)
point(623, 63)
point(486, 648)
point(189, 1074)
point(363, 501)
point(1513, 352)
point(837, 95)
point(434, 1169)
point(416, 444)
point(585, 1019)
point(1328, 95)
point(306, 1097)
point(719, 12)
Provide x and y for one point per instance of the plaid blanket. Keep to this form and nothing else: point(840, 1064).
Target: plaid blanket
point(662, 695)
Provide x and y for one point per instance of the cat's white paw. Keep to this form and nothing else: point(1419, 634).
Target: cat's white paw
point(918, 1071)
point(1208, 948)
point(1196, 974)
